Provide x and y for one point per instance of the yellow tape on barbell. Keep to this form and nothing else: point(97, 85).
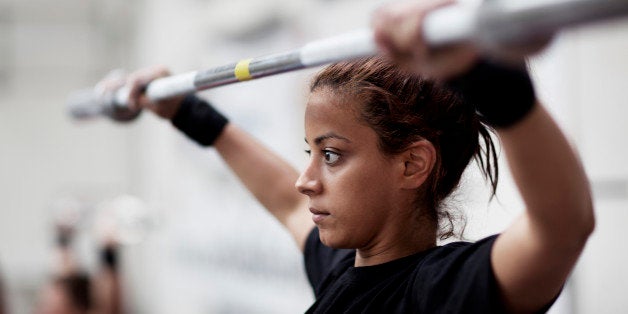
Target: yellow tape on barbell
point(242, 72)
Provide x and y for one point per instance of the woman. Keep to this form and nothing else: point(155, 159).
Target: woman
point(387, 147)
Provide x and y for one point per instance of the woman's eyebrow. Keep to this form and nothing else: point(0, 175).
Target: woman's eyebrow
point(318, 140)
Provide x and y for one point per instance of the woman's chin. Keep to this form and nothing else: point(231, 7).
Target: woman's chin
point(333, 239)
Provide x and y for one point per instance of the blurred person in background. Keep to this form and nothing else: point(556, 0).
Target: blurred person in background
point(2, 297)
point(72, 290)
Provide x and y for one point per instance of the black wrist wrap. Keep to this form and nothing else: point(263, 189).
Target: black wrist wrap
point(199, 120)
point(109, 257)
point(502, 95)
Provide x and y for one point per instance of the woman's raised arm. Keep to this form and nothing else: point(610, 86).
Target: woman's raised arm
point(533, 257)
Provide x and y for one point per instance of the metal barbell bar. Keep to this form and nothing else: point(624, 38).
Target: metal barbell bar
point(491, 26)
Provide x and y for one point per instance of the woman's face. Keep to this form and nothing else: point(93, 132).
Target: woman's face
point(353, 187)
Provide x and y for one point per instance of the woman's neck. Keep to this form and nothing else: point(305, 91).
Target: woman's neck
point(407, 237)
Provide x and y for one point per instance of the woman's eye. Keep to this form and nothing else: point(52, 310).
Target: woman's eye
point(308, 152)
point(331, 157)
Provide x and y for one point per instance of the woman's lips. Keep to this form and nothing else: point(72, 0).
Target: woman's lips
point(318, 215)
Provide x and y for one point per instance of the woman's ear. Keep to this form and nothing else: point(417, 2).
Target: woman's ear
point(419, 159)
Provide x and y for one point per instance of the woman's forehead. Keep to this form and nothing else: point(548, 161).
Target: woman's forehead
point(327, 106)
point(327, 99)
point(328, 114)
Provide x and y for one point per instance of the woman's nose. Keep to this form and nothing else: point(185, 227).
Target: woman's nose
point(308, 183)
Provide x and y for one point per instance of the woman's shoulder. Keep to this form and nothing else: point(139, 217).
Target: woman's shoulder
point(458, 260)
point(466, 243)
point(460, 250)
point(458, 275)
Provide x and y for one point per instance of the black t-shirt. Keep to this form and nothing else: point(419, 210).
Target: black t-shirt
point(454, 278)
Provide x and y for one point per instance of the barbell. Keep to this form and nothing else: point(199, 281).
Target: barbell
point(493, 27)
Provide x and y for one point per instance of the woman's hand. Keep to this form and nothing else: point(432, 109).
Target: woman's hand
point(399, 33)
point(398, 29)
point(136, 83)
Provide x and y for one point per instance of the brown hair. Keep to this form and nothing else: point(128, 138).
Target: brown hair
point(403, 108)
